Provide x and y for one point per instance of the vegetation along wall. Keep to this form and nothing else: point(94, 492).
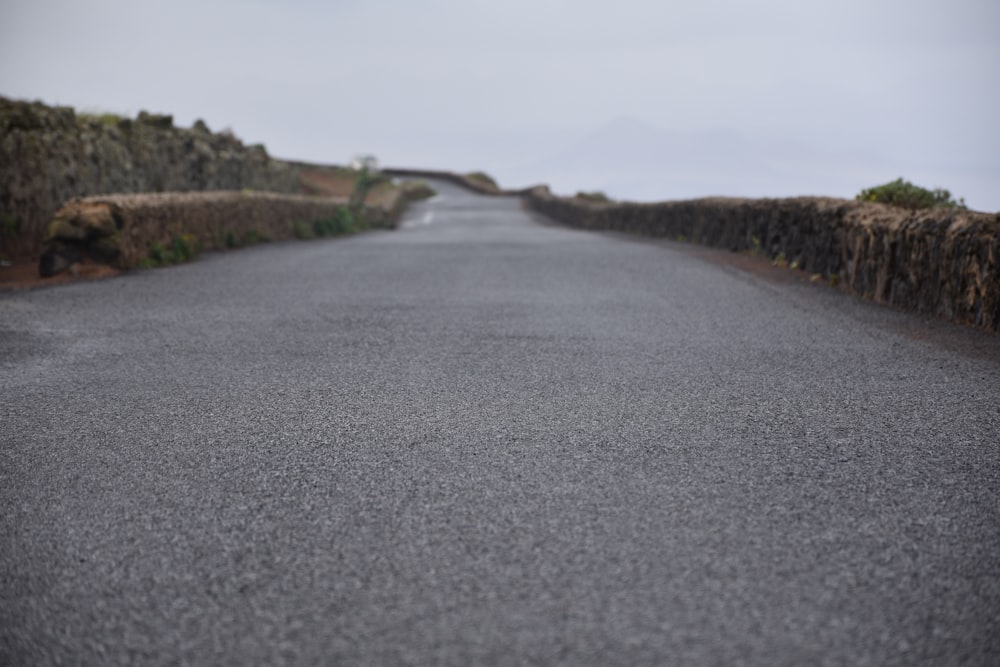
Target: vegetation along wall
point(943, 262)
point(49, 155)
point(130, 230)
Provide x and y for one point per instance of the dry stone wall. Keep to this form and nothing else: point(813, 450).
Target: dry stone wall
point(122, 229)
point(938, 262)
point(50, 155)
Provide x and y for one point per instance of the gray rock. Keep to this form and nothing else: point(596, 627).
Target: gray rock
point(57, 257)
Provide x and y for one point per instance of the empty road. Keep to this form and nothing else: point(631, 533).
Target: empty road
point(485, 439)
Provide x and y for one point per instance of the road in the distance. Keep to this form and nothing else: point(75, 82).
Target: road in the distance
point(482, 439)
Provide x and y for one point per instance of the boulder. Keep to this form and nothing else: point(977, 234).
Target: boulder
point(81, 228)
point(57, 257)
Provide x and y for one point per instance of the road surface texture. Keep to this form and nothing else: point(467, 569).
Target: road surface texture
point(484, 439)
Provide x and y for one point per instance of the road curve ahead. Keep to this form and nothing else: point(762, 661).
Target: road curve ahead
point(484, 439)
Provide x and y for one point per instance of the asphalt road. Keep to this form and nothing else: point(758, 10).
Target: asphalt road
point(483, 439)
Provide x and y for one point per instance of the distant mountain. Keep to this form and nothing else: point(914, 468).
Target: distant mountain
point(629, 158)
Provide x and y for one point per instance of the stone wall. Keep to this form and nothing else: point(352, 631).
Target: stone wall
point(50, 155)
point(939, 262)
point(122, 229)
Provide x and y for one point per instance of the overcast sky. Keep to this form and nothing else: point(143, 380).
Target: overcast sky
point(638, 97)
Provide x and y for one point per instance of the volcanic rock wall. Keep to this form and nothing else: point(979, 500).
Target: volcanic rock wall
point(939, 262)
point(123, 229)
point(49, 155)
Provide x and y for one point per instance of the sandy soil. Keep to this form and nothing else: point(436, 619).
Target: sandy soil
point(327, 183)
point(22, 274)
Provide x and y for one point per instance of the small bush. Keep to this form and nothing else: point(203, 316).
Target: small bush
point(345, 221)
point(254, 236)
point(483, 179)
point(231, 240)
point(907, 195)
point(182, 248)
point(364, 181)
point(101, 117)
point(323, 228)
point(10, 228)
point(418, 190)
point(302, 230)
point(595, 196)
point(341, 223)
point(158, 254)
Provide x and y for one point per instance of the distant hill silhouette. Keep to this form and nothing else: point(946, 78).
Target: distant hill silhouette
point(632, 159)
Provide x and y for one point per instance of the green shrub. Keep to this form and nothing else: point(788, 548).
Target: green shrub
point(302, 230)
point(101, 117)
point(907, 195)
point(10, 228)
point(364, 181)
point(483, 179)
point(254, 236)
point(595, 196)
point(182, 248)
point(346, 221)
point(323, 228)
point(341, 223)
point(417, 190)
point(158, 254)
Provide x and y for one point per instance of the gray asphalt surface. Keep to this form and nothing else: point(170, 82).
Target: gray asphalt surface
point(482, 439)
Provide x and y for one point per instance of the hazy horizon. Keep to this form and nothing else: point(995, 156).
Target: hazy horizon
point(645, 100)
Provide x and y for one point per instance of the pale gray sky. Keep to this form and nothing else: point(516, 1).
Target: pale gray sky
point(646, 99)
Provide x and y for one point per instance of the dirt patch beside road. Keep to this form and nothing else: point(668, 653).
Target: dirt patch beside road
point(23, 274)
